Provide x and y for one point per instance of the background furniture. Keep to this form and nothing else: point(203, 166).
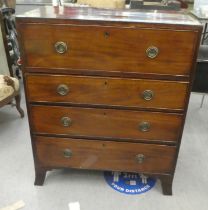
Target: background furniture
point(5, 64)
point(9, 86)
point(204, 20)
point(9, 89)
point(8, 3)
point(201, 79)
point(200, 84)
point(105, 90)
point(11, 43)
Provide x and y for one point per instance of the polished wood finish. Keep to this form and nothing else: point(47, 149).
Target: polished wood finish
point(115, 52)
point(83, 15)
point(167, 182)
point(40, 176)
point(106, 123)
point(107, 155)
point(86, 103)
point(107, 91)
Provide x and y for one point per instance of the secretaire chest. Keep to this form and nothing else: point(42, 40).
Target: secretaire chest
point(107, 90)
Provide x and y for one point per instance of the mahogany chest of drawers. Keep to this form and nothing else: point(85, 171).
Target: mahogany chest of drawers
point(107, 90)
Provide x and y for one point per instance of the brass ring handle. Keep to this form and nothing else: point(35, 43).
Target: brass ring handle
point(60, 47)
point(144, 126)
point(140, 158)
point(152, 52)
point(62, 89)
point(66, 121)
point(148, 95)
point(67, 153)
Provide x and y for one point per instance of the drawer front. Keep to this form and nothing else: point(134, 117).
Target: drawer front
point(112, 49)
point(105, 155)
point(117, 124)
point(107, 91)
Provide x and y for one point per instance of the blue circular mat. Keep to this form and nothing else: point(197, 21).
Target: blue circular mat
point(129, 183)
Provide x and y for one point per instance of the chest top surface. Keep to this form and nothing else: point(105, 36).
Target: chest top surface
point(93, 14)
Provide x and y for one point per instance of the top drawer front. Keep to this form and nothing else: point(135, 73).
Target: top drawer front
point(109, 49)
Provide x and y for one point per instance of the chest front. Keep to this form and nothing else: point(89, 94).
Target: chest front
point(107, 94)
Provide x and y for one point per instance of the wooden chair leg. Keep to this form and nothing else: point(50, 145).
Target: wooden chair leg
point(19, 109)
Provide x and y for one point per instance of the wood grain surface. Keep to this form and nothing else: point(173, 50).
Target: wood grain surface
point(107, 91)
point(104, 155)
point(110, 49)
point(106, 123)
point(106, 69)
